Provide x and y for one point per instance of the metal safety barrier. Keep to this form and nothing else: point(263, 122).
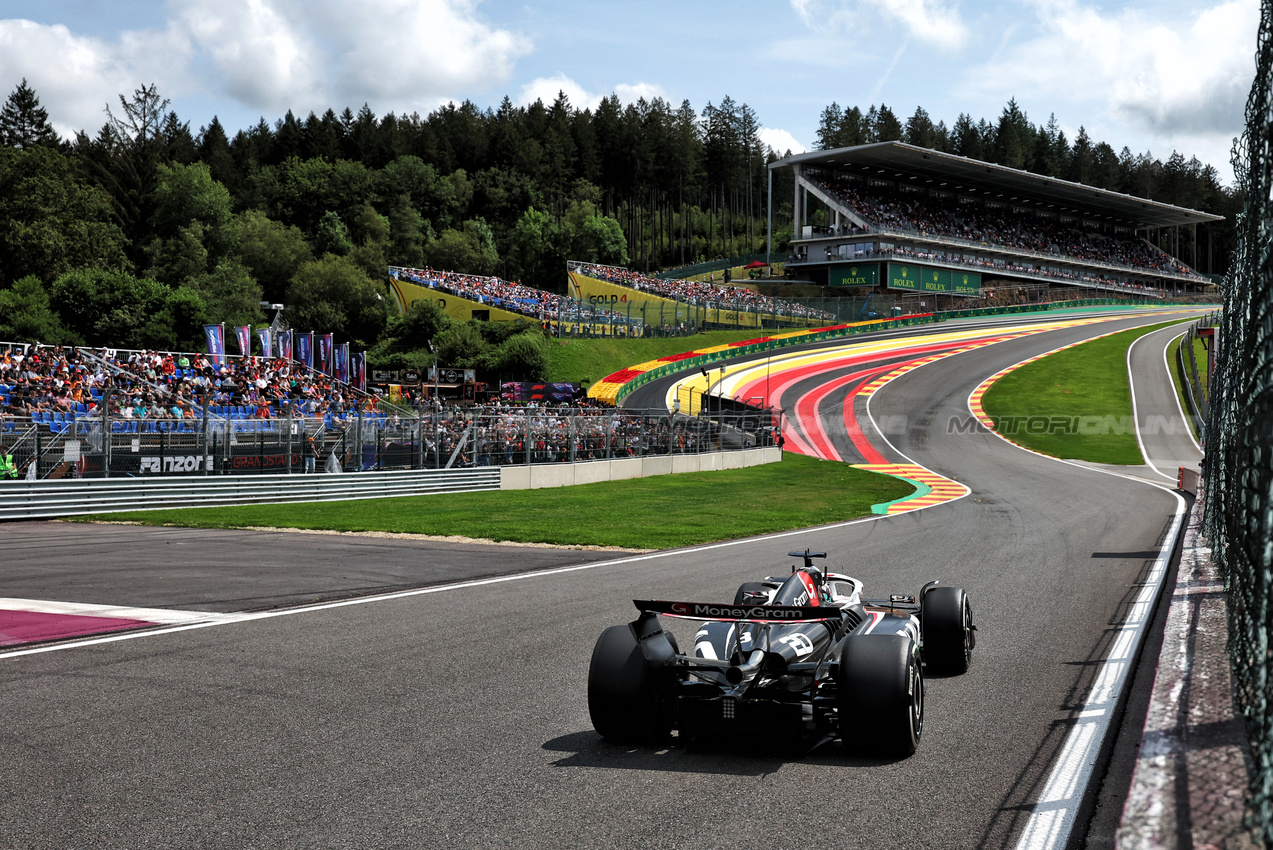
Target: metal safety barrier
point(1238, 477)
point(50, 499)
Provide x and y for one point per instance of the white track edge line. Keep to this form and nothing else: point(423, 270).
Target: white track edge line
point(422, 591)
point(1049, 828)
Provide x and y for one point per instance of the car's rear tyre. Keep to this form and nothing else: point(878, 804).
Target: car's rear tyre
point(622, 690)
point(750, 587)
point(881, 695)
point(946, 619)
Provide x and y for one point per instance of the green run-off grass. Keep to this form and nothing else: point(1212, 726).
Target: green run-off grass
point(1073, 404)
point(662, 512)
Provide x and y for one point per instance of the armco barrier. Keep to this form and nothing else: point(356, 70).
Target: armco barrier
point(567, 474)
point(50, 499)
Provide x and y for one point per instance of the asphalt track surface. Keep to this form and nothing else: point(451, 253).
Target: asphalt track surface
point(456, 716)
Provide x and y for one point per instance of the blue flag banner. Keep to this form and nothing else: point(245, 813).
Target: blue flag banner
point(263, 336)
point(342, 362)
point(285, 344)
point(243, 334)
point(325, 354)
point(215, 335)
point(359, 365)
point(305, 349)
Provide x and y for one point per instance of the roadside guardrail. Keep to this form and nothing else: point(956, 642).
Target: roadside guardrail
point(60, 498)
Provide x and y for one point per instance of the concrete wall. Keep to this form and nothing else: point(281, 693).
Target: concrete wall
point(565, 474)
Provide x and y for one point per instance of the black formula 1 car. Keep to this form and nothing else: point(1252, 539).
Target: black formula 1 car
point(801, 657)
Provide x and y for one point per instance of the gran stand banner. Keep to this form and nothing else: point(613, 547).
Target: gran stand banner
point(656, 311)
point(917, 278)
point(460, 309)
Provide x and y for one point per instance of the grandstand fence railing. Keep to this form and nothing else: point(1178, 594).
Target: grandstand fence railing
point(447, 438)
point(1238, 471)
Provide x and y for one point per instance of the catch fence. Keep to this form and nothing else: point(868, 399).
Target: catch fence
point(447, 438)
point(1238, 477)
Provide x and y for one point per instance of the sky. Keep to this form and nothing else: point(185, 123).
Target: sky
point(1151, 75)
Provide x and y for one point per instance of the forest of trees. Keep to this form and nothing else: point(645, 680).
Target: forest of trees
point(136, 235)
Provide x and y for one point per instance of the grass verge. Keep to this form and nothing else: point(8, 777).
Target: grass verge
point(650, 513)
point(578, 360)
point(1073, 404)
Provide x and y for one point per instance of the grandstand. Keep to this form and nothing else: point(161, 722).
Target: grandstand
point(488, 298)
point(671, 305)
point(77, 412)
point(932, 224)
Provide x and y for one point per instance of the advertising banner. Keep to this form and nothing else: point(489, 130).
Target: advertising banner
point(865, 274)
point(928, 279)
point(325, 353)
point(342, 362)
point(215, 335)
point(243, 336)
point(358, 365)
point(305, 349)
point(904, 277)
point(966, 283)
point(263, 336)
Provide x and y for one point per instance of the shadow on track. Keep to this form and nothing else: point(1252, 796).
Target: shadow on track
point(702, 756)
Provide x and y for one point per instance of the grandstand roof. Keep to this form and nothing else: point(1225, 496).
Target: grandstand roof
point(898, 159)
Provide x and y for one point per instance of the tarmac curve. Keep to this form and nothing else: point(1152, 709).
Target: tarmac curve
point(454, 715)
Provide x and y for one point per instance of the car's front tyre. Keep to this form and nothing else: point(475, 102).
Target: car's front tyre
point(946, 620)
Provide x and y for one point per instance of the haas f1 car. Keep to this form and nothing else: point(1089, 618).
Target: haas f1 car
point(800, 657)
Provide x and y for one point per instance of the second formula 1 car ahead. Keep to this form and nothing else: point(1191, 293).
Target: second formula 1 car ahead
point(801, 657)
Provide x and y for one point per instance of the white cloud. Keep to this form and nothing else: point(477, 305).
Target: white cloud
point(930, 21)
point(261, 58)
point(933, 22)
point(780, 141)
point(74, 77)
point(546, 89)
point(1171, 78)
point(417, 50)
point(636, 91)
point(268, 55)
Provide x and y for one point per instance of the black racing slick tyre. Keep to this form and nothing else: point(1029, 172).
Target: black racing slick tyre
point(946, 619)
point(622, 690)
point(881, 695)
point(749, 592)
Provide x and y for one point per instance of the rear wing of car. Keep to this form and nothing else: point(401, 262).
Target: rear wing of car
point(720, 612)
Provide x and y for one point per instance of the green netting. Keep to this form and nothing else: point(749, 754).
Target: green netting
point(1239, 457)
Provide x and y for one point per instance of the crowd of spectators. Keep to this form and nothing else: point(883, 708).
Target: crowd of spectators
point(887, 208)
point(1084, 278)
point(515, 297)
point(70, 383)
point(705, 294)
point(36, 381)
point(500, 434)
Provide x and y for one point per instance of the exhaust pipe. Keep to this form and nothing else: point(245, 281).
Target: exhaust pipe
point(737, 673)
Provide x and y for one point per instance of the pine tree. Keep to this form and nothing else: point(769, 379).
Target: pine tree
point(24, 124)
